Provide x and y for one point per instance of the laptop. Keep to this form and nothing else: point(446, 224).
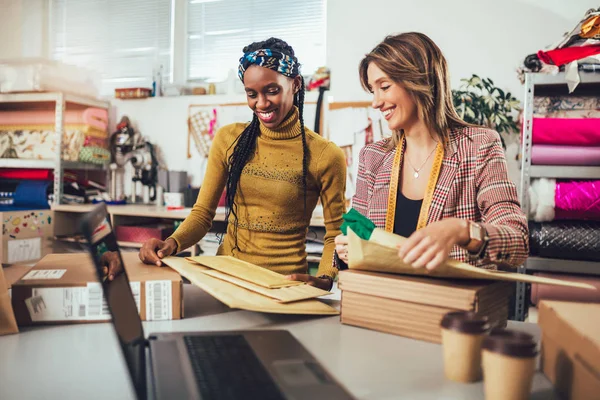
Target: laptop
point(259, 364)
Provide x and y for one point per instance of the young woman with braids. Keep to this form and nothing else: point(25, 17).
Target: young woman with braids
point(275, 170)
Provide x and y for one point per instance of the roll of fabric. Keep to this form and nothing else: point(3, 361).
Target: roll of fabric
point(566, 131)
point(95, 117)
point(551, 200)
point(94, 155)
point(577, 200)
point(572, 240)
point(547, 105)
point(547, 154)
point(550, 292)
point(33, 194)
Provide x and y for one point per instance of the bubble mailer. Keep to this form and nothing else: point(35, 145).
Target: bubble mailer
point(573, 240)
point(577, 200)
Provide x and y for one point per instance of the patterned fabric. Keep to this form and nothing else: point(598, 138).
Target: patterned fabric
point(40, 144)
point(271, 59)
point(94, 155)
point(544, 105)
point(473, 185)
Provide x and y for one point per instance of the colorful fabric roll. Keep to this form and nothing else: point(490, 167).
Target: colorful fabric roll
point(551, 292)
point(547, 154)
point(94, 155)
point(571, 240)
point(566, 131)
point(550, 200)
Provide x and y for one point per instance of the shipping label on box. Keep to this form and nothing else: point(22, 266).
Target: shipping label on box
point(63, 288)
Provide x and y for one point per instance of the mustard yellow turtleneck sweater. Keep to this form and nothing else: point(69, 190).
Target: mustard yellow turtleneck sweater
point(272, 225)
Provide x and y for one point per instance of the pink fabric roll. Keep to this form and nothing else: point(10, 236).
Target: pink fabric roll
point(549, 292)
point(92, 141)
point(577, 200)
point(567, 131)
point(94, 117)
point(547, 154)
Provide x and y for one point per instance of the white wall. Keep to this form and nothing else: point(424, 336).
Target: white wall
point(11, 28)
point(163, 120)
point(487, 37)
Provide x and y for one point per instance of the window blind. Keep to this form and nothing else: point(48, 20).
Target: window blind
point(125, 41)
point(218, 30)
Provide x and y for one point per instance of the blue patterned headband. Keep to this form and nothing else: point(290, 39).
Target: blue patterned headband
point(271, 59)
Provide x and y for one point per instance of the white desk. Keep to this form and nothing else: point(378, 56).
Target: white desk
point(84, 361)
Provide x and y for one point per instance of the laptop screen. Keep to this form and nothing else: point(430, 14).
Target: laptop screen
point(107, 258)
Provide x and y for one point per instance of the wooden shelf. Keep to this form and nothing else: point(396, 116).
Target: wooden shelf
point(71, 239)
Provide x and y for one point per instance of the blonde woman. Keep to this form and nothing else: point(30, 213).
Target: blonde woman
point(439, 181)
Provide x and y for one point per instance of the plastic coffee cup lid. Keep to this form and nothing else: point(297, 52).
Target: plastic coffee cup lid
point(510, 343)
point(465, 322)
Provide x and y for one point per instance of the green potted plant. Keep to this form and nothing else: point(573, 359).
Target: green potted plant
point(479, 102)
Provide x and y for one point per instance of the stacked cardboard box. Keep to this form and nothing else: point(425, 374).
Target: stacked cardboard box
point(571, 347)
point(64, 288)
point(414, 306)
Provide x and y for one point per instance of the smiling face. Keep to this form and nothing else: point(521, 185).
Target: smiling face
point(270, 94)
point(394, 102)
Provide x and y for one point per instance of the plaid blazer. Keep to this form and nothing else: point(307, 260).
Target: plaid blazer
point(473, 184)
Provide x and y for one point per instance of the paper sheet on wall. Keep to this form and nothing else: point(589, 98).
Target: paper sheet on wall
point(380, 254)
point(238, 297)
point(345, 123)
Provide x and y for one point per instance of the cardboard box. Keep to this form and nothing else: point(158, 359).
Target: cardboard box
point(13, 273)
point(69, 291)
point(26, 235)
point(571, 347)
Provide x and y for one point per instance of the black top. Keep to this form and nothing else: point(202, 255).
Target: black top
point(407, 215)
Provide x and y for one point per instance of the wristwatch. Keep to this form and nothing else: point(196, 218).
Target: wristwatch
point(478, 239)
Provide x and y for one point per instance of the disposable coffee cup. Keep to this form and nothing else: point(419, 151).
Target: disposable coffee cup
point(462, 336)
point(508, 364)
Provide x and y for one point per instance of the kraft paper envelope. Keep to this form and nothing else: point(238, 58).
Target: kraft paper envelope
point(244, 270)
point(283, 295)
point(238, 297)
point(380, 254)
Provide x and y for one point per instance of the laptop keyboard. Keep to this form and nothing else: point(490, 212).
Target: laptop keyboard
point(226, 367)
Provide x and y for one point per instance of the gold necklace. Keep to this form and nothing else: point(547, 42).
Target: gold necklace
point(416, 173)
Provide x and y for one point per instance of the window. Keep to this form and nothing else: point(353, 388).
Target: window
point(218, 30)
point(126, 41)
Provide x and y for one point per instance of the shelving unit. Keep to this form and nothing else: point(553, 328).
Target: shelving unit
point(550, 84)
point(59, 101)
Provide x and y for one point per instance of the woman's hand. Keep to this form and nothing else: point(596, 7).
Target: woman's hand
point(321, 283)
point(111, 264)
point(430, 247)
point(341, 247)
point(153, 250)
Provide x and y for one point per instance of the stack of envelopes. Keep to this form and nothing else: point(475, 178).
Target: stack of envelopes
point(414, 306)
point(243, 285)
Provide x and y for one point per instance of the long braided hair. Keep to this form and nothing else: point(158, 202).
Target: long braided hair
point(245, 144)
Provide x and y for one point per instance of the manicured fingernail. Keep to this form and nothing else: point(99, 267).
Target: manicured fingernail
point(111, 277)
point(160, 254)
point(158, 263)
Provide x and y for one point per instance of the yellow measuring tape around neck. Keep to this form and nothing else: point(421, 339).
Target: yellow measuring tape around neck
point(394, 182)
